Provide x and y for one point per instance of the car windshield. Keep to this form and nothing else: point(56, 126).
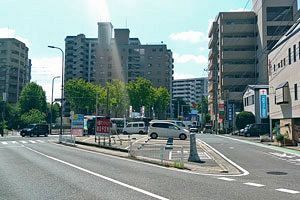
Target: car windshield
point(31, 126)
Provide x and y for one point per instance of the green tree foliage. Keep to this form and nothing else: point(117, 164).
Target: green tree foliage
point(34, 116)
point(161, 102)
point(244, 118)
point(202, 106)
point(141, 93)
point(180, 107)
point(118, 98)
point(32, 97)
point(55, 112)
point(81, 95)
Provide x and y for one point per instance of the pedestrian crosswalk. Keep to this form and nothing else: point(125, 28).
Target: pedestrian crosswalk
point(18, 142)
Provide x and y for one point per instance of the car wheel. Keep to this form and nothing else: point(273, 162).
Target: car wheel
point(46, 135)
point(38, 135)
point(125, 133)
point(31, 135)
point(153, 135)
point(182, 136)
point(23, 134)
point(141, 132)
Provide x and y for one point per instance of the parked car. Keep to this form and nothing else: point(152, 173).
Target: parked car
point(178, 123)
point(208, 129)
point(194, 129)
point(242, 131)
point(35, 130)
point(135, 127)
point(256, 130)
point(165, 129)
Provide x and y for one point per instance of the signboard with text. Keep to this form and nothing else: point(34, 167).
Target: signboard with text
point(103, 125)
point(263, 94)
point(77, 124)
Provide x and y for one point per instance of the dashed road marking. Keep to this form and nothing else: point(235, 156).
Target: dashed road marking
point(226, 179)
point(288, 191)
point(254, 184)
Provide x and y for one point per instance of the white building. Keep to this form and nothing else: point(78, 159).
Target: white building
point(190, 90)
point(284, 81)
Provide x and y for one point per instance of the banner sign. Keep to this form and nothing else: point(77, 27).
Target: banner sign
point(77, 121)
point(263, 103)
point(230, 112)
point(103, 125)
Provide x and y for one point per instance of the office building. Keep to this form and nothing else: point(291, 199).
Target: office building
point(190, 90)
point(15, 68)
point(284, 76)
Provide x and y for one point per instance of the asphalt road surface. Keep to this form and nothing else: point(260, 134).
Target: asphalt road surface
point(45, 170)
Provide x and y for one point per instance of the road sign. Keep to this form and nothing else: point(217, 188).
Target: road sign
point(263, 103)
point(103, 125)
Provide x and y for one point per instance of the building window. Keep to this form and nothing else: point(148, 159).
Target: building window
point(290, 56)
point(277, 30)
point(295, 55)
point(281, 63)
point(284, 62)
point(284, 13)
point(296, 91)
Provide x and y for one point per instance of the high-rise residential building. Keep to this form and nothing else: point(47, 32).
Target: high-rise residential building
point(15, 68)
point(239, 45)
point(106, 58)
point(190, 90)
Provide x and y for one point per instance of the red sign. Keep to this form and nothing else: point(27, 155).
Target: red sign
point(103, 125)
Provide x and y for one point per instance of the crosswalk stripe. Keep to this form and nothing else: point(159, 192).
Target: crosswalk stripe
point(31, 141)
point(254, 184)
point(14, 142)
point(41, 141)
point(22, 141)
point(288, 191)
point(4, 142)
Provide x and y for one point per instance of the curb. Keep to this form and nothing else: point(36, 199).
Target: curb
point(102, 146)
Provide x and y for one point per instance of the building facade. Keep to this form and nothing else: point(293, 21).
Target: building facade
point(190, 90)
point(106, 58)
point(284, 76)
point(15, 68)
point(239, 45)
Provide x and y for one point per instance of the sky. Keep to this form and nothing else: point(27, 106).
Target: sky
point(181, 24)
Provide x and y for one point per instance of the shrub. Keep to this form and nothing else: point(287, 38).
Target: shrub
point(279, 138)
point(244, 118)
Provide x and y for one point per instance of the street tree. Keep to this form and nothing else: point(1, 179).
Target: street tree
point(82, 96)
point(244, 118)
point(141, 93)
point(55, 112)
point(180, 107)
point(161, 102)
point(118, 99)
point(34, 116)
point(32, 97)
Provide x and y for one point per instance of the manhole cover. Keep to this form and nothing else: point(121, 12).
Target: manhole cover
point(277, 173)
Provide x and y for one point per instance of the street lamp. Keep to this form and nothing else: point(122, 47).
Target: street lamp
point(62, 90)
point(52, 103)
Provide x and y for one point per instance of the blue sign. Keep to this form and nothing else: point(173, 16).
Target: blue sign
point(230, 112)
point(77, 121)
point(263, 106)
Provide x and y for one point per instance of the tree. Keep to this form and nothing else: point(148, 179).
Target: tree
point(162, 100)
point(118, 98)
point(33, 116)
point(244, 118)
point(202, 105)
point(55, 112)
point(82, 96)
point(32, 97)
point(180, 107)
point(141, 93)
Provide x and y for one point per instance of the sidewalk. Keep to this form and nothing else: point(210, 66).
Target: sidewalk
point(120, 145)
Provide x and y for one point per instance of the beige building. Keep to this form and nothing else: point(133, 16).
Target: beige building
point(284, 76)
point(15, 68)
point(239, 45)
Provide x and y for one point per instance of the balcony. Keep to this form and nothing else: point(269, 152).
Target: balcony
point(237, 81)
point(238, 41)
point(238, 28)
point(238, 54)
point(232, 68)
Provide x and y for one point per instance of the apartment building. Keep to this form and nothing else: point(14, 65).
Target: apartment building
point(15, 68)
point(106, 58)
point(284, 76)
point(190, 90)
point(239, 45)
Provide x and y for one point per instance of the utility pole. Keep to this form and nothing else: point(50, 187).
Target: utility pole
point(107, 101)
point(215, 88)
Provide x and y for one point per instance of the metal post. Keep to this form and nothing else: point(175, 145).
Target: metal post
point(62, 91)
point(193, 157)
point(161, 154)
point(215, 83)
point(51, 105)
point(107, 101)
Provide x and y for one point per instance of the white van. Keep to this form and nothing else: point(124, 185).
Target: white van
point(134, 127)
point(166, 129)
point(178, 123)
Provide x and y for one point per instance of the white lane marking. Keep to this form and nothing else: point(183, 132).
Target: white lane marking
point(86, 139)
point(170, 155)
point(100, 176)
point(226, 179)
point(41, 141)
point(288, 191)
point(207, 155)
point(4, 142)
point(14, 142)
point(254, 184)
point(136, 141)
point(22, 141)
point(231, 147)
point(147, 164)
point(244, 172)
point(31, 141)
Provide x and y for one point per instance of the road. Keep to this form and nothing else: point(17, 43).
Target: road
point(45, 170)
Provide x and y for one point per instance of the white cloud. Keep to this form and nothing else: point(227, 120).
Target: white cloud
point(99, 10)
point(190, 36)
point(186, 58)
point(183, 76)
point(42, 72)
point(11, 33)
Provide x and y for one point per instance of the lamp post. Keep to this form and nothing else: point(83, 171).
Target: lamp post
point(51, 117)
point(62, 90)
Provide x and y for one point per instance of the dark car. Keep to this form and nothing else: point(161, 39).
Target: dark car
point(35, 130)
point(194, 129)
point(257, 130)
